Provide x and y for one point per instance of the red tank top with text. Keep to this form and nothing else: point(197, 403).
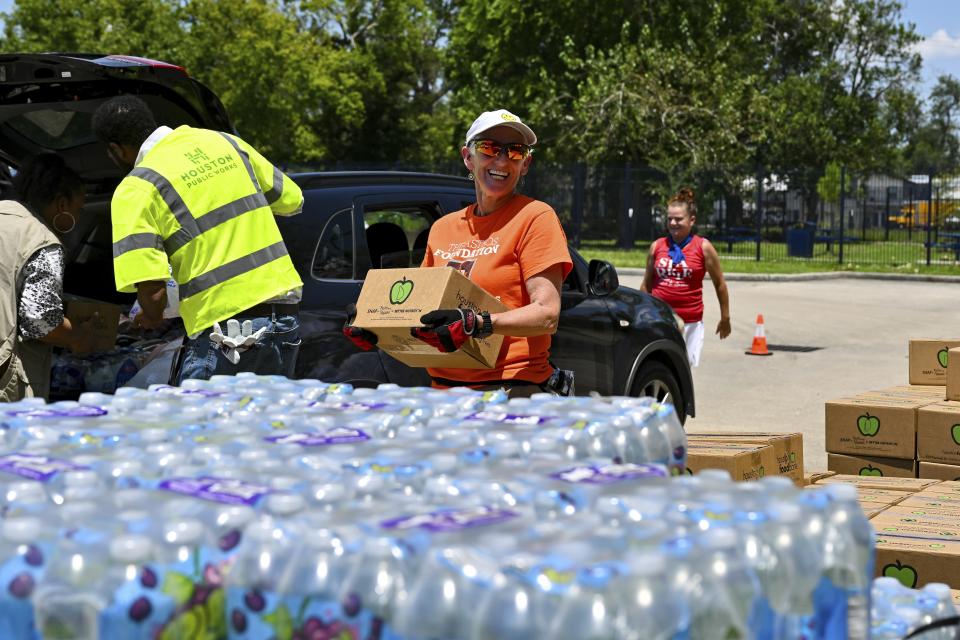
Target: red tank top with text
point(680, 285)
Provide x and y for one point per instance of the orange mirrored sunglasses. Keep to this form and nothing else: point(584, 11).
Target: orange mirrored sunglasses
point(492, 149)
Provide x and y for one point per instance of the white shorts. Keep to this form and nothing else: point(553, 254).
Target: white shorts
point(693, 336)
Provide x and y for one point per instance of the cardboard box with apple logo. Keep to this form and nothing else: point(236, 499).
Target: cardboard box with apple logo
point(938, 433)
point(908, 485)
point(392, 301)
point(917, 504)
point(883, 427)
point(788, 448)
point(871, 466)
point(938, 471)
point(933, 527)
point(928, 360)
point(917, 561)
point(743, 461)
point(812, 477)
point(872, 509)
point(953, 376)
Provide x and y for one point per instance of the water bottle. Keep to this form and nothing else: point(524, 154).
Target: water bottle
point(728, 592)
point(506, 608)
point(439, 602)
point(257, 582)
point(842, 598)
point(590, 610)
point(788, 567)
point(375, 577)
point(653, 608)
point(190, 574)
point(25, 549)
point(92, 594)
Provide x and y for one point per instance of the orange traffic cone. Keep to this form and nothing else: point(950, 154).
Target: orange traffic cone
point(759, 346)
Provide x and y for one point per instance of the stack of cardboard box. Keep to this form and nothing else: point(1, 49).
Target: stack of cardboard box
point(917, 521)
point(906, 431)
point(747, 455)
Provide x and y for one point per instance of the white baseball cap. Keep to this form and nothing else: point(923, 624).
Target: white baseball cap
point(501, 117)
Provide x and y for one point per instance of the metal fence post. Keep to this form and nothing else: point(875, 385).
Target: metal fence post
point(929, 242)
point(758, 214)
point(863, 212)
point(579, 189)
point(886, 216)
point(843, 212)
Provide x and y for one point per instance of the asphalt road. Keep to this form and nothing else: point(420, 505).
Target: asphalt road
point(860, 326)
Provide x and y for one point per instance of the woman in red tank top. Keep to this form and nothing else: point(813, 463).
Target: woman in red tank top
point(675, 269)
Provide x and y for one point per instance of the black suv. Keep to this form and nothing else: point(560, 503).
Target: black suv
point(617, 340)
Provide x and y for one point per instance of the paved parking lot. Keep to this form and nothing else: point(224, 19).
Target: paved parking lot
point(861, 326)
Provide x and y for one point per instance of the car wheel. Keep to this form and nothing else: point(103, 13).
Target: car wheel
point(656, 380)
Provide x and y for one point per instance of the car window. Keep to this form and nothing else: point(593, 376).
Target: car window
point(572, 282)
point(54, 128)
point(333, 259)
point(397, 236)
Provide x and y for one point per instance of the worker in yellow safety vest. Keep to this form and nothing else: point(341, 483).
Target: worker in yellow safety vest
point(200, 204)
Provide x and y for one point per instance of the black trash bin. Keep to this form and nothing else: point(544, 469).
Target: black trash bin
point(800, 242)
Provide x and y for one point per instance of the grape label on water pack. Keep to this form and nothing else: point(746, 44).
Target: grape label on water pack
point(451, 519)
point(337, 435)
point(610, 473)
point(36, 467)
point(80, 411)
point(177, 391)
point(225, 490)
point(352, 407)
point(508, 418)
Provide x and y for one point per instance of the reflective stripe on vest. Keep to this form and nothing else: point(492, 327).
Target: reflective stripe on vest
point(218, 216)
point(274, 193)
point(232, 269)
point(137, 241)
point(170, 197)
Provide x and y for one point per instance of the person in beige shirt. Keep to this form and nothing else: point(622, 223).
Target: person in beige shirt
point(49, 197)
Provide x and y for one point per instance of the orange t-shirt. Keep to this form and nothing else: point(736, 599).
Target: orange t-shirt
point(499, 252)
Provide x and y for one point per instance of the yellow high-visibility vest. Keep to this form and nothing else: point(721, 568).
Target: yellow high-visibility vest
point(203, 202)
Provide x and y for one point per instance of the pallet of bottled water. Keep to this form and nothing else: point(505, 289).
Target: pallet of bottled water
point(254, 507)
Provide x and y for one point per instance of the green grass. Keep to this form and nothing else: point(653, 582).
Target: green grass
point(875, 257)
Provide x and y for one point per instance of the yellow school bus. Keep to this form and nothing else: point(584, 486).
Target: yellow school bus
point(916, 214)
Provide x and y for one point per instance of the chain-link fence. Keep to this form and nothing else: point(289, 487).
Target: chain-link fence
point(872, 219)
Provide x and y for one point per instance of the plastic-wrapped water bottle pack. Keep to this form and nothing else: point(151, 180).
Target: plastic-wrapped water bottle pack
point(256, 507)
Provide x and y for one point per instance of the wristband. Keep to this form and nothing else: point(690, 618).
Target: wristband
point(486, 329)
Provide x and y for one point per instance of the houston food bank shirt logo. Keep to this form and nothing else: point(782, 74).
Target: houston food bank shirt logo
point(463, 255)
point(668, 270)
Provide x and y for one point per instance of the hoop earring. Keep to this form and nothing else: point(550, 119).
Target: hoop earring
point(470, 176)
point(73, 222)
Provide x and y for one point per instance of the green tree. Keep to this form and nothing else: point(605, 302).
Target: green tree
point(934, 144)
point(110, 26)
point(398, 46)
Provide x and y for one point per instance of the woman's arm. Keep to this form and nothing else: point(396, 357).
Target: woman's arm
point(647, 285)
point(712, 263)
point(541, 315)
point(74, 336)
point(40, 306)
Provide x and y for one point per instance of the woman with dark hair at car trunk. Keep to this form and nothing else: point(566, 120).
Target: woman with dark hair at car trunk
point(676, 265)
point(513, 247)
point(49, 198)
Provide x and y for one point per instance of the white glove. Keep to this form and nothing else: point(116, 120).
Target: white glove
point(237, 340)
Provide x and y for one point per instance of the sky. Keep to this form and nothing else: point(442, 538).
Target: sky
point(937, 22)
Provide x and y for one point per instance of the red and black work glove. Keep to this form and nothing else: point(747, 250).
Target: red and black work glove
point(446, 329)
point(363, 339)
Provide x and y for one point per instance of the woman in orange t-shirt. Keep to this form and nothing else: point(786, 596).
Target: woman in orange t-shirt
point(513, 247)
